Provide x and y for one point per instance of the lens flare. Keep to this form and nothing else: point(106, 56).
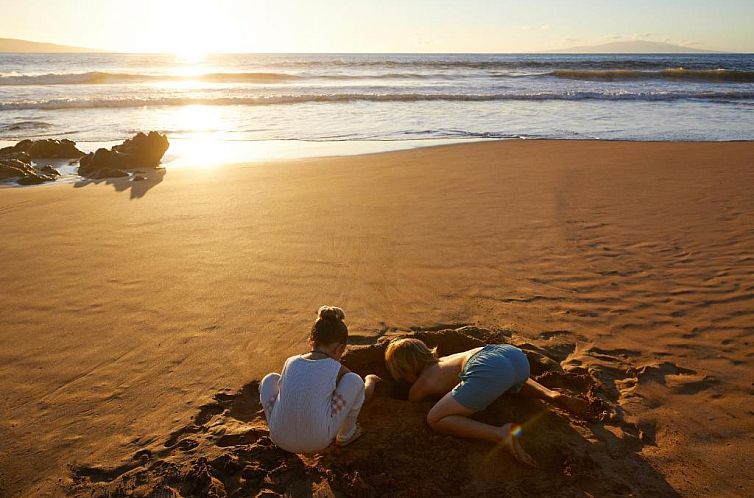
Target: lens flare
point(517, 431)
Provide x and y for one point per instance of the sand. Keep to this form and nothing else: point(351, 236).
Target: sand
point(138, 317)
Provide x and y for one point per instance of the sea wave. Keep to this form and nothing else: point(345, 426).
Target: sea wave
point(102, 78)
point(25, 125)
point(52, 104)
point(678, 73)
point(513, 63)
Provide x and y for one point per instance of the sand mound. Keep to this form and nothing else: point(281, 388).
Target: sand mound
point(226, 451)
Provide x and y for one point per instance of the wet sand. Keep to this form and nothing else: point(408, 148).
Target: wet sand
point(137, 317)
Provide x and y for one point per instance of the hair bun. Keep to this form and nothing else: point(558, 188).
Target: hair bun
point(331, 313)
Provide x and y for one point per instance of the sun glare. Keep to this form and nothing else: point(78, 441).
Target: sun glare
point(191, 56)
point(203, 141)
point(188, 29)
point(198, 119)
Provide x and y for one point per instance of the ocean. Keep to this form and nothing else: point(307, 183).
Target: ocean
point(386, 100)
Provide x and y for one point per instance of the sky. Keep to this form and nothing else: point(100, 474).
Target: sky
point(193, 26)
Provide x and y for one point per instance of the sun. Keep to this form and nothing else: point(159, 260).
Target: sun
point(187, 28)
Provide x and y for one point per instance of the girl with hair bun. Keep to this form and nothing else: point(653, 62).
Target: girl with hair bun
point(316, 400)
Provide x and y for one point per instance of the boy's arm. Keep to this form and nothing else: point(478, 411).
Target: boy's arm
point(370, 385)
point(418, 391)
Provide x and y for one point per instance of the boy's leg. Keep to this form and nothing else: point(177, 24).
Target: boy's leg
point(451, 417)
point(269, 389)
point(346, 405)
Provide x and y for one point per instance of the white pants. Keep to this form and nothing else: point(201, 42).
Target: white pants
point(347, 401)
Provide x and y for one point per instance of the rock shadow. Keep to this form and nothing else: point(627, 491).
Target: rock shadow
point(137, 183)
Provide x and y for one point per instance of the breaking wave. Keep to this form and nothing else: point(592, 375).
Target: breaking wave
point(679, 73)
point(103, 78)
point(95, 103)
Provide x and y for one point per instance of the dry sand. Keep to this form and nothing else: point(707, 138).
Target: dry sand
point(136, 320)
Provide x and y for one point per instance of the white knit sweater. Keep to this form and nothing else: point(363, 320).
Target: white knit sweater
point(302, 415)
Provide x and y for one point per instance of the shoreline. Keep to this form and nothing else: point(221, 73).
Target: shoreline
point(127, 311)
point(198, 153)
point(182, 153)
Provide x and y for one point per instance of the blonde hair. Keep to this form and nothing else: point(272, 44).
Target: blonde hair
point(407, 358)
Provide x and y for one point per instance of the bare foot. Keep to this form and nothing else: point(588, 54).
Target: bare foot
point(577, 406)
point(511, 434)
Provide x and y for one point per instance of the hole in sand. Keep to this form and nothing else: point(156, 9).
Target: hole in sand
point(231, 454)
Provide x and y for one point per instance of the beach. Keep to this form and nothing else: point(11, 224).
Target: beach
point(129, 306)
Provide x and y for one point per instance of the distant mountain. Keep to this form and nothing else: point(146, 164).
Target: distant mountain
point(26, 47)
point(632, 47)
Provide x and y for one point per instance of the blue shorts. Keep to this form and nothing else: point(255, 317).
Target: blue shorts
point(490, 372)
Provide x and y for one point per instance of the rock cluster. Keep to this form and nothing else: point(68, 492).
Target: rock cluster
point(15, 161)
point(45, 149)
point(18, 165)
point(141, 151)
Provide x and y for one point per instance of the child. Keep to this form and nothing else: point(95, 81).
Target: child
point(315, 399)
point(484, 373)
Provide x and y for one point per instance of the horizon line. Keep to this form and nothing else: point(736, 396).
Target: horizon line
point(538, 52)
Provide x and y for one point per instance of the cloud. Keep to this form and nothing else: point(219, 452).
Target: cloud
point(544, 26)
point(638, 36)
point(571, 40)
point(525, 27)
point(614, 37)
point(688, 43)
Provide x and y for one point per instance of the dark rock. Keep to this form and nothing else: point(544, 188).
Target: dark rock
point(108, 173)
point(49, 171)
point(144, 150)
point(15, 161)
point(21, 146)
point(57, 149)
point(100, 159)
point(17, 155)
point(13, 168)
point(16, 165)
point(34, 179)
point(141, 151)
point(45, 149)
